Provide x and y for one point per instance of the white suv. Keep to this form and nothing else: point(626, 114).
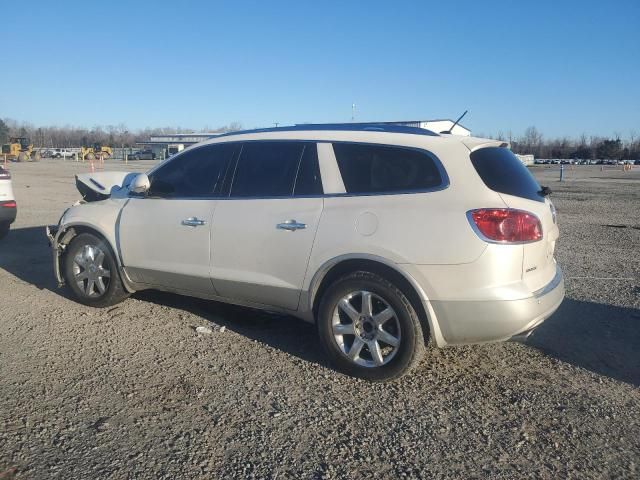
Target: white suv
point(8, 208)
point(385, 237)
point(62, 153)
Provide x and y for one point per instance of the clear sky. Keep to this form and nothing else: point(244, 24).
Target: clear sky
point(566, 67)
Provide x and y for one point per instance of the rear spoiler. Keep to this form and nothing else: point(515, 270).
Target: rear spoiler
point(474, 143)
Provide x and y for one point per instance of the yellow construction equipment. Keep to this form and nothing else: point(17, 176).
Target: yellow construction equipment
point(96, 151)
point(20, 150)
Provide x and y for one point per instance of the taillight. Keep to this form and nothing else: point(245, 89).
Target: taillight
point(505, 225)
point(9, 204)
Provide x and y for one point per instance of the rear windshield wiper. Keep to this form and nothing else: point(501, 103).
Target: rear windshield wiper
point(545, 191)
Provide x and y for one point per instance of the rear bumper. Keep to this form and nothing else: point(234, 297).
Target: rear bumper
point(463, 322)
point(8, 214)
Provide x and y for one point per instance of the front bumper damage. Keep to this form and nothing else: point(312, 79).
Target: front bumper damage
point(52, 233)
point(59, 236)
point(58, 246)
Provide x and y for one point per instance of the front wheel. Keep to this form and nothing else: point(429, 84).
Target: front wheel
point(91, 272)
point(369, 328)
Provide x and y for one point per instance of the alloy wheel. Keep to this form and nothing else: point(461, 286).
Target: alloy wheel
point(366, 329)
point(89, 272)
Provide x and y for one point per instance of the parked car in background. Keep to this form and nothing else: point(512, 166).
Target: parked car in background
point(142, 155)
point(174, 148)
point(8, 207)
point(385, 237)
point(63, 153)
point(48, 153)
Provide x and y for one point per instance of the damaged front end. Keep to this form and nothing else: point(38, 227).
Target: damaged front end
point(103, 196)
point(58, 246)
point(102, 185)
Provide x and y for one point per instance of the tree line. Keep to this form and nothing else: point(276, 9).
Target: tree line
point(585, 148)
point(111, 135)
point(531, 142)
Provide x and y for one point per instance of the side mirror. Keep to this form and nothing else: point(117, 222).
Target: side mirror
point(140, 184)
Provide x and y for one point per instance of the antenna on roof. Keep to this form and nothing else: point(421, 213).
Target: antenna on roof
point(456, 122)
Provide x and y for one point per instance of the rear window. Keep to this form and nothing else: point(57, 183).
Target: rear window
point(384, 169)
point(502, 172)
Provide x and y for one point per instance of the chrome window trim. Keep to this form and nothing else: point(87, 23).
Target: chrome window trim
point(444, 184)
point(444, 177)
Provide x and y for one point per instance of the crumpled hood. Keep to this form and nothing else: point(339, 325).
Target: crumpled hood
point(101, 185)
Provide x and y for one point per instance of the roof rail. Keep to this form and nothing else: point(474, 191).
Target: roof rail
point(348, 127)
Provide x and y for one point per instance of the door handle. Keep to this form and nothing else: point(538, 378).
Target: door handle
point(193, 222)
point(291, 225)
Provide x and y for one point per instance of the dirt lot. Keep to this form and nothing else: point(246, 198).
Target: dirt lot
point(134, 392)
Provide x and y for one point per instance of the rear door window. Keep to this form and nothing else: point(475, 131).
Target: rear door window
point(267, 169)
point(502, 172)
point(308, 181)
point(385, 169)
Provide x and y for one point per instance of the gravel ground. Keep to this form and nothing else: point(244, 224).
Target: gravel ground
point(134, 392)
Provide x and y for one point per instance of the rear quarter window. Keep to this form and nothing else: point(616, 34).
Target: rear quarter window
point(502, 172)
point(385, 169)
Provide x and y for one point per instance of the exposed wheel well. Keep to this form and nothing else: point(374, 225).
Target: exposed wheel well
point(354, 265)
point(75, 230)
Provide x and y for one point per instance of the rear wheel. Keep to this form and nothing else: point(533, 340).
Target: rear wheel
point(91, 272)
point(22, 157)
point(369, 328)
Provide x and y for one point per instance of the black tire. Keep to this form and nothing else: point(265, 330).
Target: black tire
point(4, 229)
point(411, 347)
point(114, 292)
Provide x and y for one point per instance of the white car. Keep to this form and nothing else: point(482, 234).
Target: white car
point(8, 207)
point(62, 153)
point(385, 237)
